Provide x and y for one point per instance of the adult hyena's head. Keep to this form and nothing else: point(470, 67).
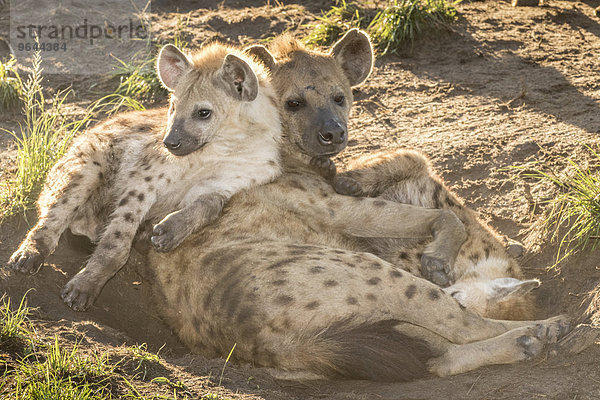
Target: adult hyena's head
point(208, 90)
point(314, 89)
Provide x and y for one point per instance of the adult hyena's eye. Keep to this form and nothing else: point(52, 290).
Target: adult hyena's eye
point(293, 104)
point(339, 99)
point(202, 113)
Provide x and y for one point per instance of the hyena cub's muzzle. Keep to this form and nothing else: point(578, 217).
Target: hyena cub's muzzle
point(179, 141)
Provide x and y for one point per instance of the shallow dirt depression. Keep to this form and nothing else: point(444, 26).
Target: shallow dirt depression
point(508, 86)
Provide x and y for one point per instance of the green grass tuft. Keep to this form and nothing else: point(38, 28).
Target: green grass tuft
point(11, 85)
point(139, 83)
point(406, 20)
point(573, 216)
point(14, 326)
point(391, 28)
point(45, 136)
point(335, 22)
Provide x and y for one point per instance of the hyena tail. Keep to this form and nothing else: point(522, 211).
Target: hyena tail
point(371, 351)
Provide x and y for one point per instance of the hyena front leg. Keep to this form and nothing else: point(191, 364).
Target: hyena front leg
point(112, 251)
point(175, 227)
point(518, 344)
point(372, 218)
point(69, 185)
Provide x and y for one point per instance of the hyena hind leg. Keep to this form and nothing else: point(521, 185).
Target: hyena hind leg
point(516, 345)
point(69, 185)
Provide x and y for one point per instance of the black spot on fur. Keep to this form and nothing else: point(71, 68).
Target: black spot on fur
point(64, 200)
point(148, 178)
point(352, 300)
point(117, 234)
point(403, 255)
point(376, 265)
point(284, 300)
point(434, 294)
point(394, 273)
point(132, 193)
point(100, 175)
point(295, 184)
point(161, 176)
point(330, 283)
point(371, 297)
point(374, 281)
point(123, 202)
point(96, 163)
point(312, 305)
point(141, 197)
point(279, 282)
point(410, 292)
point(128, 217)
point(132, 174)
point(282, 263)
point(317, 270)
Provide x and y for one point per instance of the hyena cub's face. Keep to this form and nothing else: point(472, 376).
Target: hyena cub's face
point(206, 92)
point(314, 89)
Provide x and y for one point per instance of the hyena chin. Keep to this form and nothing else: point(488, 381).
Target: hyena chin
point(222, 135)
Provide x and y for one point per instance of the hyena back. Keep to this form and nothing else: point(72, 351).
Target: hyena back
point(284, 274)
point(222, 135)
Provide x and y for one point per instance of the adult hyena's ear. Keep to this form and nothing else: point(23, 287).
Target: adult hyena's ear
point(355, 54)
point(171, 65)
point(239, 78)
point(504, 288)
point(264, 55)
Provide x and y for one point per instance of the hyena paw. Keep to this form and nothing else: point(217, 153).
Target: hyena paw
point(347, 186)
point(435, 269)
point(325, 167)
point(81, 291)
point(27, 260)
point(543, 333)
point(168, 234)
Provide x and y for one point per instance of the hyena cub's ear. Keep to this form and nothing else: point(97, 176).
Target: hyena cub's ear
point(171, 65)
point(355, 54)
point(239, 78)
point(504, 288)
point(261, 53)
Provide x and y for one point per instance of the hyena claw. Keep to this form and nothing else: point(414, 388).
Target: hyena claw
point(26, 261)
point(347, 186)
point(325, 167)
point(166, 235)
point(80, 293)
point(435, 270)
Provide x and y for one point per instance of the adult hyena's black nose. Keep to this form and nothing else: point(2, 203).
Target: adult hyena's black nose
point(332, 133)
point(172, 143)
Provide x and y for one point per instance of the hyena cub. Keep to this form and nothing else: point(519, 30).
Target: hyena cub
point(222, 135)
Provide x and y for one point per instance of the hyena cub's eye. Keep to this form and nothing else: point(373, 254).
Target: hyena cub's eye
point(339, 99)
point(293, 104)
point(202, 113)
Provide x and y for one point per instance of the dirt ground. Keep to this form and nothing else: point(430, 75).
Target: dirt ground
point(507, 87)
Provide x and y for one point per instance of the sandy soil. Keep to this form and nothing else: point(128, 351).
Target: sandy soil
point(508, 87)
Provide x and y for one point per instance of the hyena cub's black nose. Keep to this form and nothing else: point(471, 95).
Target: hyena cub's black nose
point(172, 144)
point(332, 132)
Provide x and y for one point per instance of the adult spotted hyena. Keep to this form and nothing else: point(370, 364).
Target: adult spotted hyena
point(283, 273)
point(222, 135)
